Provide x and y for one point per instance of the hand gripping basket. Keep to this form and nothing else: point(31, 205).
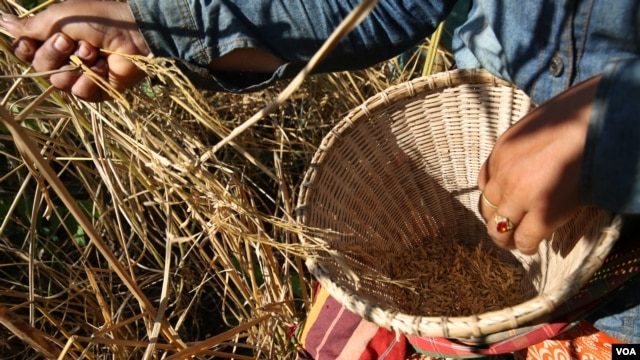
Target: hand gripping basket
point(400, 170)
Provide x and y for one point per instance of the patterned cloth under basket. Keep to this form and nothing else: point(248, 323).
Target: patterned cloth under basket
point(403, 166)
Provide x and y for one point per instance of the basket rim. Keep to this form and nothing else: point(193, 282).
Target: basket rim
point(449, 327)
point(476, 325)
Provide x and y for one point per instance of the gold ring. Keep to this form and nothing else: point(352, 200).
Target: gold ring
point(489, 203)
point(503, 224)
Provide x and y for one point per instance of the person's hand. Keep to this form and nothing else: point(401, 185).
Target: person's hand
point(81, 28)
point(532, 177)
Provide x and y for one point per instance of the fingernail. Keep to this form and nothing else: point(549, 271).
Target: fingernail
point(62, 44)
point(83, 51)
point(22, 47)
point(8, 17)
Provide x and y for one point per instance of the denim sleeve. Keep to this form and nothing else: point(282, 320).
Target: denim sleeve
point(197, 31)
point(611, 164)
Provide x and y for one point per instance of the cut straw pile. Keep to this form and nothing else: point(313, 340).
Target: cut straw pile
point(123, 236)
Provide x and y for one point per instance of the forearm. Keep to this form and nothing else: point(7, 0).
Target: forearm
point(611, 167)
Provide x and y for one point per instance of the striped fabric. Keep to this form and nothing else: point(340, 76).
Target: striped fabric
point(333, 332)
point(442, 347)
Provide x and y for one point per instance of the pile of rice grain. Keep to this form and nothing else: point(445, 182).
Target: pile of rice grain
point(447, 278)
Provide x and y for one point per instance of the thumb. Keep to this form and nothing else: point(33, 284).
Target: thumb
point(36, 27)
point(13, 25)
point(97, 22)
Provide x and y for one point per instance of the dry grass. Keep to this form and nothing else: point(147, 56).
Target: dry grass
point(122, 235)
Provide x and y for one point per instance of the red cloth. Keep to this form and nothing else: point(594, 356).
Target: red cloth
point(333, 332)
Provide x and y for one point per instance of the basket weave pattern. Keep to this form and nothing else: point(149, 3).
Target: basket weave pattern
point(401, 168)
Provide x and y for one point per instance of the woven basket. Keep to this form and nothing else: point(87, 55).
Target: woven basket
point(401, 169)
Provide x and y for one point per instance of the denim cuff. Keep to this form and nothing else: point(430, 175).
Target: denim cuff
point(611, 164)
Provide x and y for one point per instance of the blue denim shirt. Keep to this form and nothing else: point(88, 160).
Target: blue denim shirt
point(544, 47)
point(547, 46)
point(198, 31)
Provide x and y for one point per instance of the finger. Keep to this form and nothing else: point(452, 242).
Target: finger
point(503, 216)
point(86, 89)
point(486, 207)
point(529, 234)
point(25, 49)
point(87, 20)
point(483, 175)
point(43, 25)
point(37, 27)
point(501, 230)
point(489, 200)
point(86, 52)
point(53, 53)
point(510, 225)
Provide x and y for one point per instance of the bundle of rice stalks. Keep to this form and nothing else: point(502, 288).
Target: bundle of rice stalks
point(123, 235)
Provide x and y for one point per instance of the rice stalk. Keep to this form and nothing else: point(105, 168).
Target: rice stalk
point(28, 149)
point(33, 336)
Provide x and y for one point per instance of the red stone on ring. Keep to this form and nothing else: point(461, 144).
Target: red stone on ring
point(503, 226)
